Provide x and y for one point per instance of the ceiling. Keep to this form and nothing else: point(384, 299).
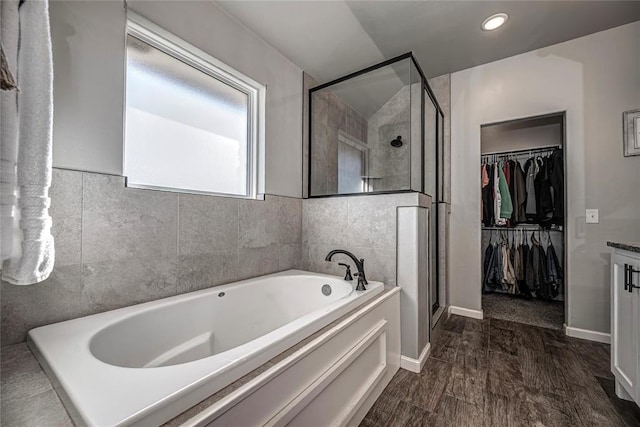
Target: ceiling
point(329, 39)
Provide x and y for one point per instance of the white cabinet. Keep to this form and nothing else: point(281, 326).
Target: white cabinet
point(625, 323)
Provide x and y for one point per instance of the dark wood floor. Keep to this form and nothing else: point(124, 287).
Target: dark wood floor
point(498, 373)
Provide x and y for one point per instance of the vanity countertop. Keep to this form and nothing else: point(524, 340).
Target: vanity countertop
point(626, 246)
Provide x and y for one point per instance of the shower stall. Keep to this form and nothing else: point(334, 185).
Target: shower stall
point(379, 130)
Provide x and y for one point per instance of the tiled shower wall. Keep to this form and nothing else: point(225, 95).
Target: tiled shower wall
point(391, 164)
point(117, 246)
point(332, 116)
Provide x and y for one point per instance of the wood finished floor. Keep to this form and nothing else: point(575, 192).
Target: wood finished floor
point(498, 373)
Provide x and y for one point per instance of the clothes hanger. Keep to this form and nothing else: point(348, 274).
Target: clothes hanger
point(533, 238)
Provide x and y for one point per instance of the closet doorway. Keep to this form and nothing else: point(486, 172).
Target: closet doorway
point(523, 220)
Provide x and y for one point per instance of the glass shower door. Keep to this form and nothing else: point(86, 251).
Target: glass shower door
point(430, 188)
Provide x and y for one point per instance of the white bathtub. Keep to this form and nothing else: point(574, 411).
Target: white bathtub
point(145, 364)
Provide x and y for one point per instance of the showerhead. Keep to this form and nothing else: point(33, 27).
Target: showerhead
point(397, 142)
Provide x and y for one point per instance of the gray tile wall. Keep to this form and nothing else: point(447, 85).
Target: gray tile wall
point(363, 225)
point(331, 116)
point(118, 246)
point(391, 164)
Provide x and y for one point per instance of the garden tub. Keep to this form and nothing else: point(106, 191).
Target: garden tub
point(145, 364)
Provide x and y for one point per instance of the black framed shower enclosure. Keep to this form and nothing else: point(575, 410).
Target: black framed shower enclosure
point(358, 91)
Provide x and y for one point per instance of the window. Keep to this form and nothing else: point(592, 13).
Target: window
point(353, 165)
point(193, 124)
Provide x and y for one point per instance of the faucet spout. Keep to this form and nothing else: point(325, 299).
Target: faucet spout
point(359, 263)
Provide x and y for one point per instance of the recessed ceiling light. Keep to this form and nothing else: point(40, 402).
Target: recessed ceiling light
point(494, 21)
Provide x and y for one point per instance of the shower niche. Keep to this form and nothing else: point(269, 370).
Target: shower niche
point(374, 131)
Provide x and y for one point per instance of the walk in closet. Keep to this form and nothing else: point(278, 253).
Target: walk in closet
point(523, 220)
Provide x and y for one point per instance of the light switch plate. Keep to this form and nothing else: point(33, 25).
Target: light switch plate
point(592, 216)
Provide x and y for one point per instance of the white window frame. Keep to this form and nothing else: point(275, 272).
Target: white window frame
point(346, 139)
point(150, 33)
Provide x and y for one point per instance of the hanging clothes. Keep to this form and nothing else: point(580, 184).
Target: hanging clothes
point(530, 171)
point(519, 194)
point(506, 206)
point(540, 272)
point(510, 182)
point(532, 278)
point(499, 265)
point(508, 279)
point(520, 269)
point(506, 169)
point(497, 201)
point(554, 271)
point(493, 268)
point(524, 289)
point(512, 195)
point(544, 198)
point(484, 179)
point(523, 190)
point(487, 195)
point(489, 268)
point(556, 177)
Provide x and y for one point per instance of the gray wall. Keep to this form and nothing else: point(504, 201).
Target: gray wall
point(594, 79)
point(493, 139)
point(364, 225)
point(307, 83)
point(89, 64)
point(88, 41)
point(117, 246)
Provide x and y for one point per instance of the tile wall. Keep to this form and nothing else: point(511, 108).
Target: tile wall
point(391, 164)
point(364, 225)
point(117, 246)
point(331, 116)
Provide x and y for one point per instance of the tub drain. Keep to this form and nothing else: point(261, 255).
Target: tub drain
point(326, 290)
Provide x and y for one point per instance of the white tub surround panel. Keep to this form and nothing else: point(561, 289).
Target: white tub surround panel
point(332, 380)
point(146, 381)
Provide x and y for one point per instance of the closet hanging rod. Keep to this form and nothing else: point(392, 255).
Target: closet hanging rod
point(529, 228)
point(523, 151)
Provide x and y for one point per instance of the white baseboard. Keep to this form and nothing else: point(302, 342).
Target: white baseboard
point(475, 314)
point(587, 334)
point(414, 365)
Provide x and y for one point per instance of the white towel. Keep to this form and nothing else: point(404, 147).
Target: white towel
point(32, 252)
point(9, 31)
